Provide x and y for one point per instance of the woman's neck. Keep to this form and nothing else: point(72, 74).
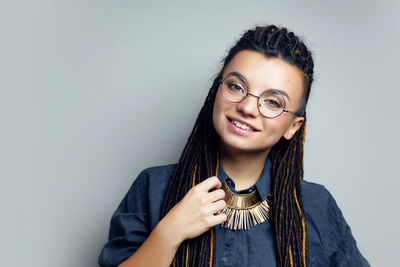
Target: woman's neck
point(244, 168)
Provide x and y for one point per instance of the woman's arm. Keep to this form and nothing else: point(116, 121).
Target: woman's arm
point(158, 250)
point(196, 213)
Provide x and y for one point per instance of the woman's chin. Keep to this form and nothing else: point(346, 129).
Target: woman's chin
point(242, 148)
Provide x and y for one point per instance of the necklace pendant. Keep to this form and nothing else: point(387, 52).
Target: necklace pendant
point(244, 211)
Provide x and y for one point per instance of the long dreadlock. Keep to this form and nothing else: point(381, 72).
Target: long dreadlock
point(287, 216)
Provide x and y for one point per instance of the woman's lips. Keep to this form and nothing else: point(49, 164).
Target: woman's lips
point(240, 127)
point(243, 122)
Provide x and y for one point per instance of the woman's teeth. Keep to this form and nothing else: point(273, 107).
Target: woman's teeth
point(241, 126)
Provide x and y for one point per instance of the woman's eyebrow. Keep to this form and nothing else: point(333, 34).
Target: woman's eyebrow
point(282, 92)
point(240, 76)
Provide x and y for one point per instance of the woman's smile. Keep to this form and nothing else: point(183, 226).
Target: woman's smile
point(241, 126)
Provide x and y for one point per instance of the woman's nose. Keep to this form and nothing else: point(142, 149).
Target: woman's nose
point(248, 107)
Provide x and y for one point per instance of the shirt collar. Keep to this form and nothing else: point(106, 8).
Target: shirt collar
point(263, 184)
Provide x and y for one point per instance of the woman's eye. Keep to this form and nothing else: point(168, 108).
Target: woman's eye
point(236, 87)
point(272, 103)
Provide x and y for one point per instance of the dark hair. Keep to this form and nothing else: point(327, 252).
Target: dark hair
point(287, 216)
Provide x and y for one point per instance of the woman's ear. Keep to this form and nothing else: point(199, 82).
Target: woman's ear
point(294, 126)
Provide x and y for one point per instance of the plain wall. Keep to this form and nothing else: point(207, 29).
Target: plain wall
point(92, 92)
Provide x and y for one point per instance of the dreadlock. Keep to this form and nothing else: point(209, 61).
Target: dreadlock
point(199, 157)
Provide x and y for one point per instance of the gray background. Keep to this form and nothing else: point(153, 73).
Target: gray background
point(92, 92)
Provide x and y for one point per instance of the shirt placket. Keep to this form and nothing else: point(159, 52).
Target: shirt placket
point(229, 247)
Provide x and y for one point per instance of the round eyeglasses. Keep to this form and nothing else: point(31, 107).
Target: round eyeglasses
point(271, 103)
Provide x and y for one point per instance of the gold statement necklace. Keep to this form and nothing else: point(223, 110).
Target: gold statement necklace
point(244, 211)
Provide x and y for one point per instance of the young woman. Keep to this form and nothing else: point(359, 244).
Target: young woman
point(237, 197)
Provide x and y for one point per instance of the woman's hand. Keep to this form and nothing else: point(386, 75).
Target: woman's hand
point(197, 212)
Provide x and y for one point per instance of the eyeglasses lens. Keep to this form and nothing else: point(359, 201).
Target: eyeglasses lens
point(271, 104)
point(234, 89)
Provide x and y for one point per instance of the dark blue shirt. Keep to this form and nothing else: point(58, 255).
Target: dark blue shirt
point(329, 238)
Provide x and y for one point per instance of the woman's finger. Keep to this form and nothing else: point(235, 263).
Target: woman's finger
point(209, 183)
point(216, 195)
point(216, 207)
point(217, 219)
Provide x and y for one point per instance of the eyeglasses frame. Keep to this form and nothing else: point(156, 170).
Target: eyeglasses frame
point(221, 81)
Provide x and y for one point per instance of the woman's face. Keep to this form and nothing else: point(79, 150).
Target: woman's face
point(261, 74)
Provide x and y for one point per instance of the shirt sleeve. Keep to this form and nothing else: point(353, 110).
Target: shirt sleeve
point(129, 226)
point(345, 251)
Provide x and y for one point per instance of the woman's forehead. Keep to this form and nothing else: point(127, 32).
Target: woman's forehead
point(263, 73)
